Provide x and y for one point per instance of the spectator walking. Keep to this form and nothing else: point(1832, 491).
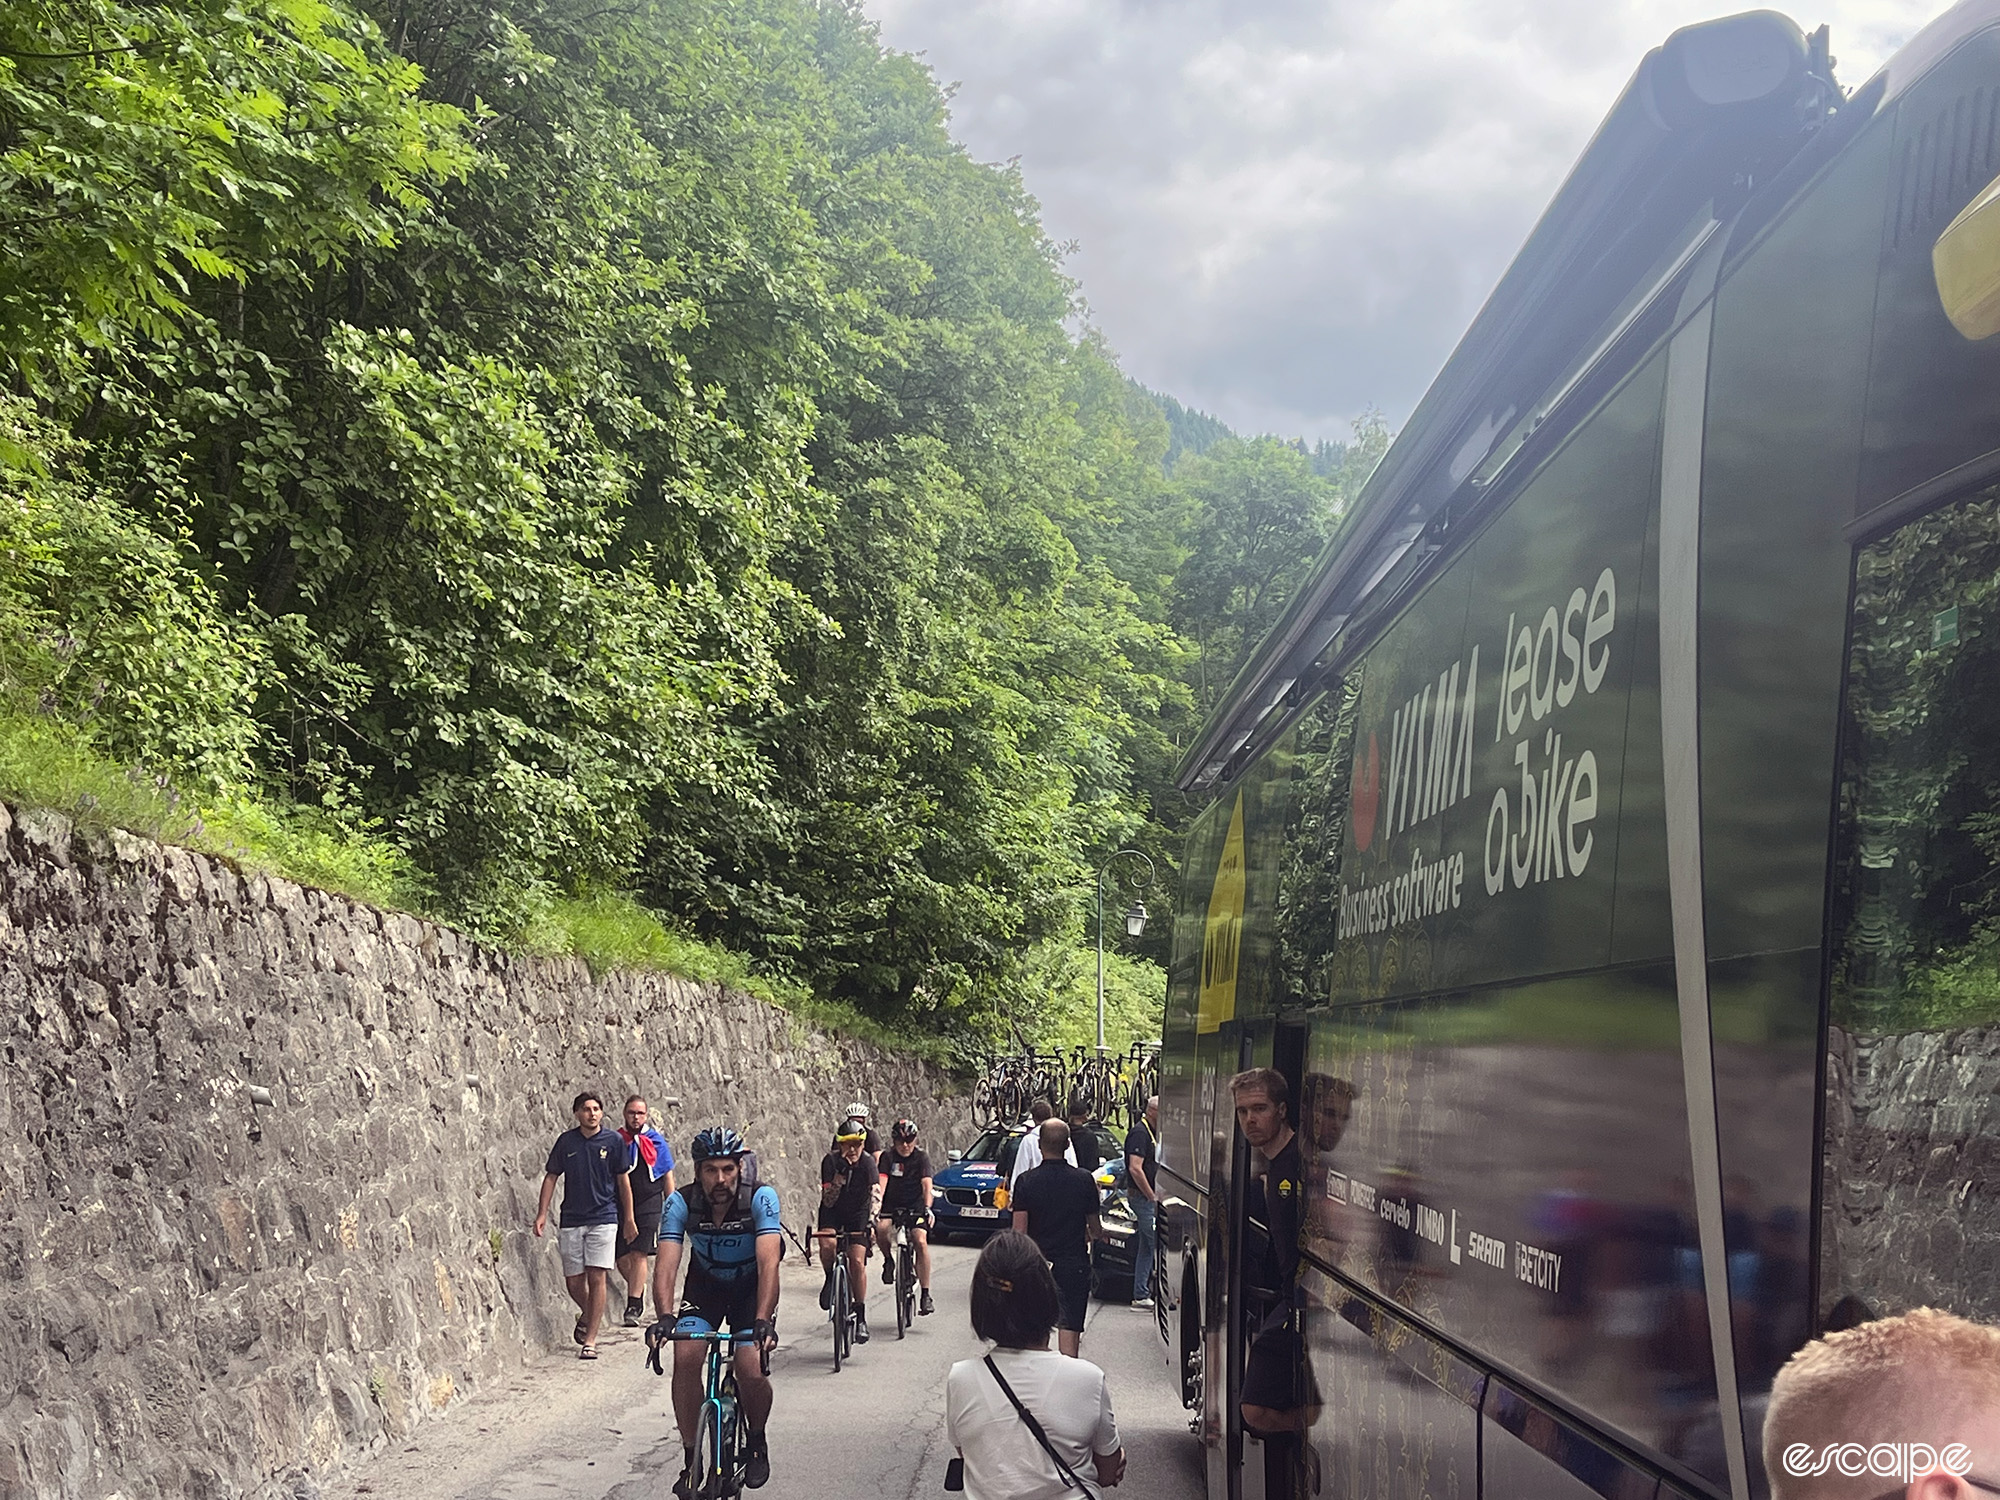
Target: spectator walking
point(1028, 1155)
point(1926, 1380)
point(1055, 1205)
point(591, 1163)
point(652, 1175)
point(1141, 1159)
point(1024, 1419)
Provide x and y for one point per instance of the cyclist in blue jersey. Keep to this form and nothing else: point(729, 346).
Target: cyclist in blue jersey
point(729, 1225)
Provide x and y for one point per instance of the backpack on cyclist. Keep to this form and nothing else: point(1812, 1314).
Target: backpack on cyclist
point(746, 1189)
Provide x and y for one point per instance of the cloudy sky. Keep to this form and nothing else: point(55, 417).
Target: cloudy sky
point(1286, 211)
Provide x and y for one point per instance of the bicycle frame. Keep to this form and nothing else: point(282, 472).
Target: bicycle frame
point(718, 1431)
point(903, 1246)
point(840, 1309)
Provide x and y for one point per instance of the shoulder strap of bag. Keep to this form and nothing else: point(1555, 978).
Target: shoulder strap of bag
point(1070, 1478)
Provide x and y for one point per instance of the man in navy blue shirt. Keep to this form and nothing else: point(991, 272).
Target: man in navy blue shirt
point(1055, 1205)
point(592, 1162)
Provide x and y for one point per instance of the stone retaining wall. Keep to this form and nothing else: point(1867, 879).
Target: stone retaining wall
point(201, 1295)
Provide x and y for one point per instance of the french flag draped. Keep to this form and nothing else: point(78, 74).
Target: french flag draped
point(653, 1151)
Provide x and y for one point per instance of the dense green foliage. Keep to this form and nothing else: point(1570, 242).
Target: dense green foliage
point(555, 463)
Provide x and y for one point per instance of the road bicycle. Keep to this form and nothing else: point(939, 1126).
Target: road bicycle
point(904, 1248)
point(1142, 1070)
point(1104, 1086)
point(722, 1435)
point(841, 1310)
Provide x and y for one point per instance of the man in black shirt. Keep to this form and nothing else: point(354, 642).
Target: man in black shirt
point(651, 1172)
point(1055, 1205)
point(1083, 1137)
point(1279, 1401)
point(848, 1189)
point(906, 1187)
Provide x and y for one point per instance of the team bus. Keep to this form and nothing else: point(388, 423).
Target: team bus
point(1605, 848)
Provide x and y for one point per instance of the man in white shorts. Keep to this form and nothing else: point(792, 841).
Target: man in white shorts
point(597, 1206)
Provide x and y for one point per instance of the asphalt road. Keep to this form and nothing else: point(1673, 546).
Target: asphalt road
point(563, 1428)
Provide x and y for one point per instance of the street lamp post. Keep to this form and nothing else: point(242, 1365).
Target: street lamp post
point(1135, 924)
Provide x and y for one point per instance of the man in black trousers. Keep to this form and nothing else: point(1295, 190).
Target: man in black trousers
point(1055, 1205)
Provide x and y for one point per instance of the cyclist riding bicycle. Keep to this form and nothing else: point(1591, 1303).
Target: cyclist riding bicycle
point(730, 1226)
point(871, 1143)
point(906, 1185)
point(849, 1189)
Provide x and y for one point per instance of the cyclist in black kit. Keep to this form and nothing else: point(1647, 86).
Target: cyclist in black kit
point(906, 1184)
point(849, 1189)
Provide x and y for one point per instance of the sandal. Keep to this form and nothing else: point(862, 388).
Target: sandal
point(579, 1333)
point(588, 1351)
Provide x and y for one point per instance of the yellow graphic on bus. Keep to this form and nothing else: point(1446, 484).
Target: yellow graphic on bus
point(1222, 937)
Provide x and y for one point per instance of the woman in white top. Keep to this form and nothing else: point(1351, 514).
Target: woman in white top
point(1014, 1308)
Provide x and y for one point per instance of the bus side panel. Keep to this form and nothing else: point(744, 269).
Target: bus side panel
point(1529, 1453)
point(1408, 1423)
point(1222, 1354)
point(1511, 1164)
point(1187, 1084)
point(1484, 775)
point(1781, 458)
point(1495, 1105)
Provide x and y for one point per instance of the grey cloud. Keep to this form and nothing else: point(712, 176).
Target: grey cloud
point(1286, 211)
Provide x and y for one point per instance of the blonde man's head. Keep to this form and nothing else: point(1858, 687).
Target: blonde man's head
point(1926, 1377)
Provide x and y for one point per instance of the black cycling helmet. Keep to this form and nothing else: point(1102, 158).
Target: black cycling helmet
point(851, 1130)
point(903, 1130)
point(718, 1140)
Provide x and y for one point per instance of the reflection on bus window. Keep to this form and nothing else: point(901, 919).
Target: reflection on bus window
point(1914, 1048)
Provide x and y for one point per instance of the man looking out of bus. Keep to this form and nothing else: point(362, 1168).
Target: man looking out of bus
point(1279, 1402)
point(1918, 1394)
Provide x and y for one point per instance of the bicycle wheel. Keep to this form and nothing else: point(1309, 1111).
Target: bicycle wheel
point(902, 1302)
point(736, 1446)
point(843, 1310)
point(906, 1284)
point(708, 1455)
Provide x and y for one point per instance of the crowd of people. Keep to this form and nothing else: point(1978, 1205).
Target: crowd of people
point(623, 1210)
point(1029, 1421)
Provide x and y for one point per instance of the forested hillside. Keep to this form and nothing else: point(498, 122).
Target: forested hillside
point(546, 464)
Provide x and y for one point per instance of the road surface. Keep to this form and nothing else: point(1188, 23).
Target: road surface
point(564, 1428)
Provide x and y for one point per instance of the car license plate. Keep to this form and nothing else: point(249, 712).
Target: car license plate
point(980, 1213)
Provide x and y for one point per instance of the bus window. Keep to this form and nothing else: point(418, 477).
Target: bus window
point(1908, 1207)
